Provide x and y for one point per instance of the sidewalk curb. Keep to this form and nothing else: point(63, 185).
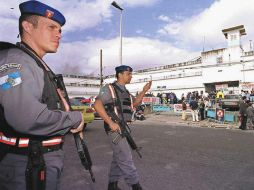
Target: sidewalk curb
point(167, 118)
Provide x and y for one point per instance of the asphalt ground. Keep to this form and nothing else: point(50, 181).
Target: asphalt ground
point(176, 156)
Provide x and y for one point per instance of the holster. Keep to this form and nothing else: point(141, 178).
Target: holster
point(36, 168)
point(3, 152)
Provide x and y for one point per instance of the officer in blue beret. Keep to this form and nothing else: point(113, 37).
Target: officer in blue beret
point(34, 115)
point(123, 68)
point(116, 98)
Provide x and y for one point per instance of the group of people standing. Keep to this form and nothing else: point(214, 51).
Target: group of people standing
point(35, 114)
point(198, 108)
point(246, 114)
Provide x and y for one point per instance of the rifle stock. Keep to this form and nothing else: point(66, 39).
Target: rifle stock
point(81, 146)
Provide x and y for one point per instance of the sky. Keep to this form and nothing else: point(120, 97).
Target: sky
point(154, 32)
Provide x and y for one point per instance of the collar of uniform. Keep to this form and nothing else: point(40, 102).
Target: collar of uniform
point(122, 87)
point(29, 49)
point(25, 45)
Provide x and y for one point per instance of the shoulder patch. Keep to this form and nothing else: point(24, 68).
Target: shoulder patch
point(7, 66)
point(10, 80)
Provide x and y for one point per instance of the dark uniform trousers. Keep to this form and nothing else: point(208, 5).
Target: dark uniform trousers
point(13, 166)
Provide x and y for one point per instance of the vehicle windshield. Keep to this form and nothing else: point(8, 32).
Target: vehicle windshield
point(76, 102)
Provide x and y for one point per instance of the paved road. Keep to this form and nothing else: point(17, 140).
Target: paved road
point(174, 158)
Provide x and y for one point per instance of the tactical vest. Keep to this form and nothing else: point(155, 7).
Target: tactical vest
point(49, 97)
point(125, 99)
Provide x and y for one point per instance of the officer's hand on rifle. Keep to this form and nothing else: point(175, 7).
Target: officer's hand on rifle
point(115, 127)
point(80, 127)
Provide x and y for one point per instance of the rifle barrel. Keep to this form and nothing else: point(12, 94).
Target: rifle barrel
point(92, 176)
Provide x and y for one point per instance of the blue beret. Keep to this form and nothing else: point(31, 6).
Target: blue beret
point(123, 68)
point(38, 8)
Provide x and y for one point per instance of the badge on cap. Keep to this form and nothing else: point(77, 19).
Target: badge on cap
point(49, 14)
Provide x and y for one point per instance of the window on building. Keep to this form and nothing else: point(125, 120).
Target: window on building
point(233, 37)
point(219, 59)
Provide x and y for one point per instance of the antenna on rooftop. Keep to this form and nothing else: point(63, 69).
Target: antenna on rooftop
point(204, 44)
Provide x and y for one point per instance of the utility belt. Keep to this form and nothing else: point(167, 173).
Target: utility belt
point(34, 149)
point(20, 145)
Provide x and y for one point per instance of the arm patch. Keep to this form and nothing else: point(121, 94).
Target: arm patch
point(8, 66)
point(10, 80)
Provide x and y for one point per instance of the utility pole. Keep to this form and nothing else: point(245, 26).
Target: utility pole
point(101, 78)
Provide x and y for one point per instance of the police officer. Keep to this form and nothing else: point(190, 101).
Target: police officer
point(34, 115)
point(122, 164)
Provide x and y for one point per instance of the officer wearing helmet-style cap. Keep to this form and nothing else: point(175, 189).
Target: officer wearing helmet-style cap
point(34, 115)
point(114, 95)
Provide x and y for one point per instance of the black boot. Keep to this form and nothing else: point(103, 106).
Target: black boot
point(136, 186)
point(113, 186)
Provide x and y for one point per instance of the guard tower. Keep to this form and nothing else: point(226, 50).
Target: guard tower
point(233, 35)
point(234, 49)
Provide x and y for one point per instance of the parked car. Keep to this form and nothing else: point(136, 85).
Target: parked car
point(231, 101)
point(83, 100)
point(96, 115)
point(87, 111)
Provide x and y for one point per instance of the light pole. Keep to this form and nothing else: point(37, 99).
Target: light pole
point(114, 4)
point(101, 78)
point(243, 72)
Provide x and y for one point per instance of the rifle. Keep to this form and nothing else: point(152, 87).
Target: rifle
point(80, 143)
point(84, 154)
point(125, 130)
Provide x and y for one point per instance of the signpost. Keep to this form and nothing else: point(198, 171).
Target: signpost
point(178, 108)
point(151, 100)
point(220, 115)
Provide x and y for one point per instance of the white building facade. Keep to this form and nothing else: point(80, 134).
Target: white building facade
point(230, 69)
point(81, 86)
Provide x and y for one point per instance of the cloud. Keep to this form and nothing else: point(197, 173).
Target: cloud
point(139, 31)
point(171, 29)
point(80, 15)
point(164, 18)
point(136, 3)
point(84, 57)
point(76, 57)
point(9, 14)
point(209, 24)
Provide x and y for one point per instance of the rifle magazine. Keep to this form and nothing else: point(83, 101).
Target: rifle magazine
point(116, 137)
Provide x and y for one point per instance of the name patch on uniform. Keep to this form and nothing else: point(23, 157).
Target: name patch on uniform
point(7, 66)
point(10, 80)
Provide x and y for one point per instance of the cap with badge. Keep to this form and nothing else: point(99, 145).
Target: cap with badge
point(123, 68)
point(38, 8)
